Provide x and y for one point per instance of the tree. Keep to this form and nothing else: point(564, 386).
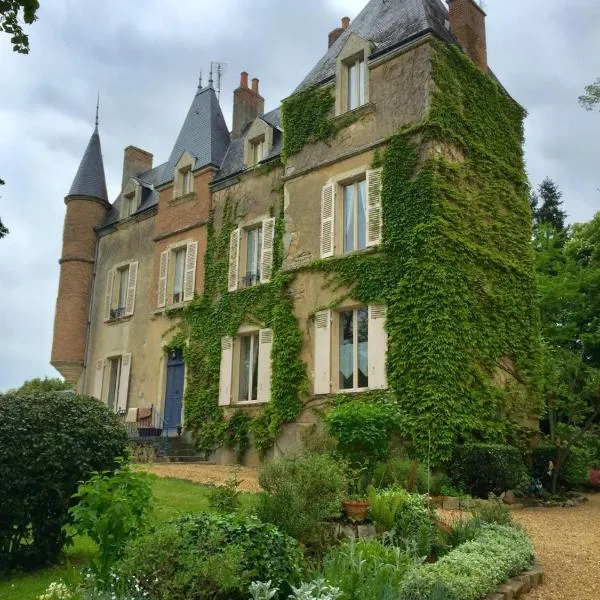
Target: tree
point(38, 385)
point(12, 12)
point(591, 98)
point(550, 211)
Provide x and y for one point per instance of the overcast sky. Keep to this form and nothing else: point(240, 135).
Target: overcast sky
point(144, 56)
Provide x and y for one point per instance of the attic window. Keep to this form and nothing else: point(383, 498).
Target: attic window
point(258, 150)
point(186, 182)
point(130, 204)
point(356, 75)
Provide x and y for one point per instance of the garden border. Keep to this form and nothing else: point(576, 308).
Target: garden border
point(519, 586)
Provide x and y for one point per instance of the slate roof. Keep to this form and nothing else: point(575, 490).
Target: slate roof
point(388, 24)
point(90, 180)
point(233, 163)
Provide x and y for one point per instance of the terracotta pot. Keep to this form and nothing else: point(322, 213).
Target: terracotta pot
point(356, 510)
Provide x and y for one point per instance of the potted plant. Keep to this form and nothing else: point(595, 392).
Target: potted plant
point(356, 506)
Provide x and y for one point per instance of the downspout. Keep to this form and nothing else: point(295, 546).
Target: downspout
point(88, 334)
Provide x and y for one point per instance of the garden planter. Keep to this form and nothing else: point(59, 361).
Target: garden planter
point(356, 510)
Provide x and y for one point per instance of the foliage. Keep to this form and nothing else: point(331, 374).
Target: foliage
point(367, 569)
point(463, 530)
point(574, 472)
point(362, 430)
point(38, 385)
point(591, 98)
point(385, 505)
point(492, 511)
point(211, 556)
point(111, 508)
point(475, 568)
point(260, 590)
point(485, 468)
point(237, 433)
point(11, 14)
point(316, 590)
point(550, 212)
point(404, 472)
point(49, 442)
point(226, 498)
point(300, 493)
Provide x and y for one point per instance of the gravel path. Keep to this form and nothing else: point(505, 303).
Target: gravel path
point(567, 541)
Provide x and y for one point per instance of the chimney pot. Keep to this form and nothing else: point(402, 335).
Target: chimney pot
point(244, 79)
point(247, 105)
point(345, 23)
point(467, 23)
point(255, 85)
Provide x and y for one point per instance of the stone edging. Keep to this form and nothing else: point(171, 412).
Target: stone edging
point(521, 585)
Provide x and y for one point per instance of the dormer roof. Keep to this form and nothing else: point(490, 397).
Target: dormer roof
point(90, 180)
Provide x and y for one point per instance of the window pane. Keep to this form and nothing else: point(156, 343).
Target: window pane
point(352, 92)
point(363, 347)
point(349, 218)
point(113, 382)
point(178, 275)
point(254, 367)
point(361, 215)
point(246, 343)
point(123, 283)
point(361, 83)
point(346, 350)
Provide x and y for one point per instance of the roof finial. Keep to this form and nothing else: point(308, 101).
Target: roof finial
point(97, 108)
point(210, 79)
point(200, 81)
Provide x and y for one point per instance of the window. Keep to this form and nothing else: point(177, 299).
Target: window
point(186, 182)
point(130, 205)
point(248, 390)
point(355, 216)
point(351, 345)
point(177, 274)
point(258, 150)
point(251, 255)
point(354, 349)
point(120, 292)
point(356, 83)
point(112, 381)
point(114, 372)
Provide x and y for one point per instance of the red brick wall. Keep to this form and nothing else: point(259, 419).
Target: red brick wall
point(467, 22)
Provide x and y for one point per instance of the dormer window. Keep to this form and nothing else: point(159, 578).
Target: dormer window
point(352, 75)
point(258, 149)
point(356, 83)
point(131, 202)
point(186, 182)
point(258, 143)
point(183, 182)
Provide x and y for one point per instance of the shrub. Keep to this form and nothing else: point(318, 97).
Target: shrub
point(385, 506)
point(300, 493)
point(363, 431)
point(366, 569)
point(574, 472)
point(111, 509)
point(404, 472)
point(475, 568)
point(484, 468)
point(210, 556)
point(49, 442)
point(226, 498)
point(492, 511)
point(463, 530)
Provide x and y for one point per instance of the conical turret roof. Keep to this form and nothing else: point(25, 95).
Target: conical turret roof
point(90, 180)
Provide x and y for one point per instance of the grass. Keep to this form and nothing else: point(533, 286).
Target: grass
point(172, 497)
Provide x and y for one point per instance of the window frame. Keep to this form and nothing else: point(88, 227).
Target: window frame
point(358, 88)
point(336, 343)
point(111, 360)
point(182, 251)
point(251, 279)
point(258, 149)
point(238, 366)
point(341, 207)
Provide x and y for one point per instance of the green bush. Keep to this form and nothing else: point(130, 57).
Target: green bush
point(384, 506)
point(111, 509)
point(300, 493)
point(482, 469)
point(404, 472)
point(463, 530)
point(492, 511)
point(363, 431)
point(574, 473)
point(49, 442)
point(474, 569)
point(210, 556)
point(366, 569)
point(226, 498)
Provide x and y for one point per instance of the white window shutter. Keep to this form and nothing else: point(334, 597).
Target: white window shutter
point(110, 282)
point(124, 383)
point(328, 220)
point(226, 372)
point(162, 279)
point(189, 280)
point(323, 352)
point(131, 288)
point(374, 210)
point(234, 259)
point(99, 379)
point(266, 255)
point(377, 347)
point(264, 365)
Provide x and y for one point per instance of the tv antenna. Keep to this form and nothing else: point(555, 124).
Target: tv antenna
point(219, 69)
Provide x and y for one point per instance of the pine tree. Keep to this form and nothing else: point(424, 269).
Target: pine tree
point(550, 212)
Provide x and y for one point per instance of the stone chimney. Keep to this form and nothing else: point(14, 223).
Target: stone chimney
point(135, 162)
point(467, 23)
point(247, 105)
point(335, 34)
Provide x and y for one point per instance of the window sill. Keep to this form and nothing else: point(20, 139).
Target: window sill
point(183, 199)
point(119, 320)
point(357, 391)
point(355, 113)
point(164, 310)
point(253, 403)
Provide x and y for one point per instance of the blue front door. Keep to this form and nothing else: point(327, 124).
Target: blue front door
point(174, 394)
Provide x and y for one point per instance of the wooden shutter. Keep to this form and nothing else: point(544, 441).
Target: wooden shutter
point(124, 383)
point(264, 365)
point(189, 279)
point(226, 371)
point(377, 347)
point(328, 220)
point(374, 211)
point(323, 352)
point(131, 288)
point(99, 379)
point(234, 259)
point(110, 282)
point(266, 255)
point(162, 279)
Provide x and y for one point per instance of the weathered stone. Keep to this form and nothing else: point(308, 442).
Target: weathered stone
point(495, 597)
point(526, 581)
point(539, 570)
point(509, 497)
point(534, 578)
point(516, 585)
point(507, 592)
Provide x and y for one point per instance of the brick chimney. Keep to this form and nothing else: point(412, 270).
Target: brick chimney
point(335, 34)
point(467, 23)
point(247, 105)
point(135, 162)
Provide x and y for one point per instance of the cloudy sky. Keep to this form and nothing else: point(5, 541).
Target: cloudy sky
point(144, 56)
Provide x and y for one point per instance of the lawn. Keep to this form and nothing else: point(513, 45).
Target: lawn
point(172, 497)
